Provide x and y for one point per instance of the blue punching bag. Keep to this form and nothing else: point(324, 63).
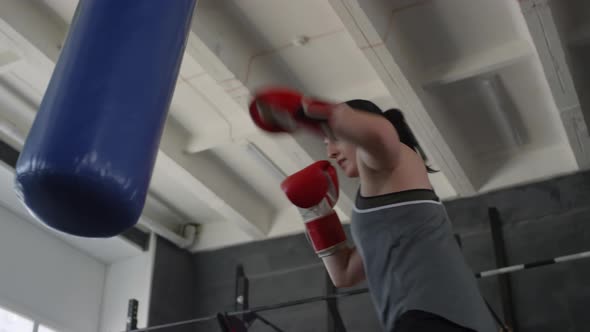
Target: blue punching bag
point(87, 162)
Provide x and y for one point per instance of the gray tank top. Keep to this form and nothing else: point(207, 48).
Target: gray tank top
point(413, 262)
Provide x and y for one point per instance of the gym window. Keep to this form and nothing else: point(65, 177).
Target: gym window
point(13, 322)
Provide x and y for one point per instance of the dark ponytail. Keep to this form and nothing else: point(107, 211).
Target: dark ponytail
point(396, 118)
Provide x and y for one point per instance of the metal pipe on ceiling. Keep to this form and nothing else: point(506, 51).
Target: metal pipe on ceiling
point(184, 241)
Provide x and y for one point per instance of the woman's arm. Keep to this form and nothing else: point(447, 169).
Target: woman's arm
point(377, 139)
point(345, 267)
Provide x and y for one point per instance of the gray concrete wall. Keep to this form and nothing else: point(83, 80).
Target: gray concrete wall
point(173, 287)
point(540, 221)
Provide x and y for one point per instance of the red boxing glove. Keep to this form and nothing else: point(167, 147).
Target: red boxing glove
point(314, 190)
point(283, 110)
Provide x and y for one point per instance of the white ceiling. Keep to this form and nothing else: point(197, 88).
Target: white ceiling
point(466, 73)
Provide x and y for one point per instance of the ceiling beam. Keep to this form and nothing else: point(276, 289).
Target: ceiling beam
point(483, 63)
point(402, 89)
point(237, 124)
point(551, 49)
point(8, 60)
point(211, 182)
point(38, 30)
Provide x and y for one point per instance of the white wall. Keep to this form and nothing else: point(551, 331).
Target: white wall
point(45, 279)
point(127, 279)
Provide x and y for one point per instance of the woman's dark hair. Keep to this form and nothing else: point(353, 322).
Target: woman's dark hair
point(396, 118)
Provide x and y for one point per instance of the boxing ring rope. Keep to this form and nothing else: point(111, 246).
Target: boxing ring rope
point(514, 268)
point(479, 275)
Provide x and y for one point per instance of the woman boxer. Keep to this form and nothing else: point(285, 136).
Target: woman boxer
point(405, 247)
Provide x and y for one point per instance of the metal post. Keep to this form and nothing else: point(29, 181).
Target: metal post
point(132, 315)
point(335, 323)
point(501, 261)
point(492, 311)
point(242, 285)
point(242, 301)
point(459, 241)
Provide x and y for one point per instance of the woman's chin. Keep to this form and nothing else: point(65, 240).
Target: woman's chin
point(350, 172)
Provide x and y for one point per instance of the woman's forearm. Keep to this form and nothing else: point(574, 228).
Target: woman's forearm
point(345, 267)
